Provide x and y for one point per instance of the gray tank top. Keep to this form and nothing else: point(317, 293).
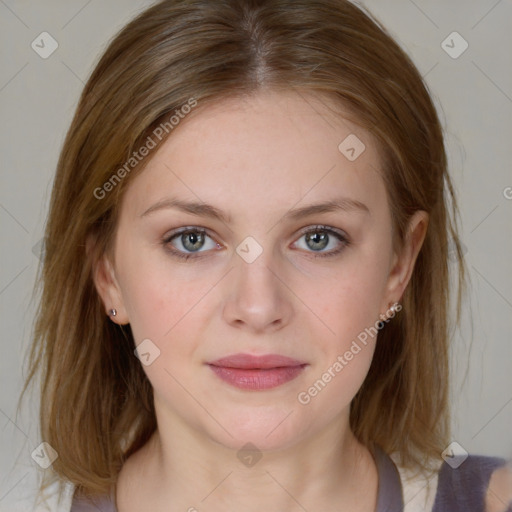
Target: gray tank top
point(458, 490)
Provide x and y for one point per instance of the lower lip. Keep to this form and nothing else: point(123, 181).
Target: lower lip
point(257, 379)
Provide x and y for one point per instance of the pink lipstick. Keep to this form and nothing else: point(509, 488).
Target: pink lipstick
point(245, 371)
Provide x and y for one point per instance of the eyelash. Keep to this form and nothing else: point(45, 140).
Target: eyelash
point(327, 229)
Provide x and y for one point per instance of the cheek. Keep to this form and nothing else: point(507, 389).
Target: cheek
point(350, 306)
point(160, 296)
point(344, 355)
point(170, 310)
point(349, 299)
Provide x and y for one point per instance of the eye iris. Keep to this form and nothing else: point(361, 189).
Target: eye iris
point(192, 240)
point(318, 239)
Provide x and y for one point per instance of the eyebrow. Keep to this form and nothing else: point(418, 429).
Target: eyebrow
point(206, 210)
point(343, 204)
point(194, 208)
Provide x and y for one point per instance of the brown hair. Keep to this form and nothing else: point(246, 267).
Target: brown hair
point(96, 402)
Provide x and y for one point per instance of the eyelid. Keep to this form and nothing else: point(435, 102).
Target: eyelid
point(323, 227)
point(183, 229)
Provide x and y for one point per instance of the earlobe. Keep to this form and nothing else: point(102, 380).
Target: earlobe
point(405, 259)
point(108, 289)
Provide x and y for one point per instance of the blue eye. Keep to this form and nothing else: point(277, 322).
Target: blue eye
point(188, 241)
point(323, 240)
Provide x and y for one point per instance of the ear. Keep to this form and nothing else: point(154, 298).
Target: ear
point(404, 258)
point(107, 286)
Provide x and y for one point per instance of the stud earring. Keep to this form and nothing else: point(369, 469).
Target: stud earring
point(112, 312)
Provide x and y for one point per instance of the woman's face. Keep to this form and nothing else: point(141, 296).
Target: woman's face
point(251, 232)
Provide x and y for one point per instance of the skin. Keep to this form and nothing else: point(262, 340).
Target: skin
point(498, 497)
point(255, 159)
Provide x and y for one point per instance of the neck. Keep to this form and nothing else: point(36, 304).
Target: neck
point(183, 467)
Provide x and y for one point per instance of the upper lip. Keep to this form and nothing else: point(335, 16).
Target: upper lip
point(248, 361)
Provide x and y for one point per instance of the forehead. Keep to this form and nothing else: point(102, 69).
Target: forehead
point(267, 151)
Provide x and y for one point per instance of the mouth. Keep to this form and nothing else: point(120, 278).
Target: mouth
point(245, 371)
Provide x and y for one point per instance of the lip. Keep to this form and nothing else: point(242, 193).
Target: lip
point(250, 362)
point(246, 371)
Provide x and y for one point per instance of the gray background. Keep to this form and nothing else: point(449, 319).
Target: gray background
point(473, 92)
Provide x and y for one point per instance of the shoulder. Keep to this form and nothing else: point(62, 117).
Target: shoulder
point(67, 501)
point(104, 504)
point(479, 483)
point(467, 486)
point(57, 497)
point(418, 488)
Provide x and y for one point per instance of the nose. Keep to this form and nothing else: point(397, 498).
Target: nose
point(256, 298)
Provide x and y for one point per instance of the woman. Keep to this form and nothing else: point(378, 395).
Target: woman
point(245, 289)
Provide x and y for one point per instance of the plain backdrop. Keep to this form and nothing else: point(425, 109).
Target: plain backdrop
point(473, 93)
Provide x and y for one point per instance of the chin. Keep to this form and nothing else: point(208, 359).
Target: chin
point(272, 430)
